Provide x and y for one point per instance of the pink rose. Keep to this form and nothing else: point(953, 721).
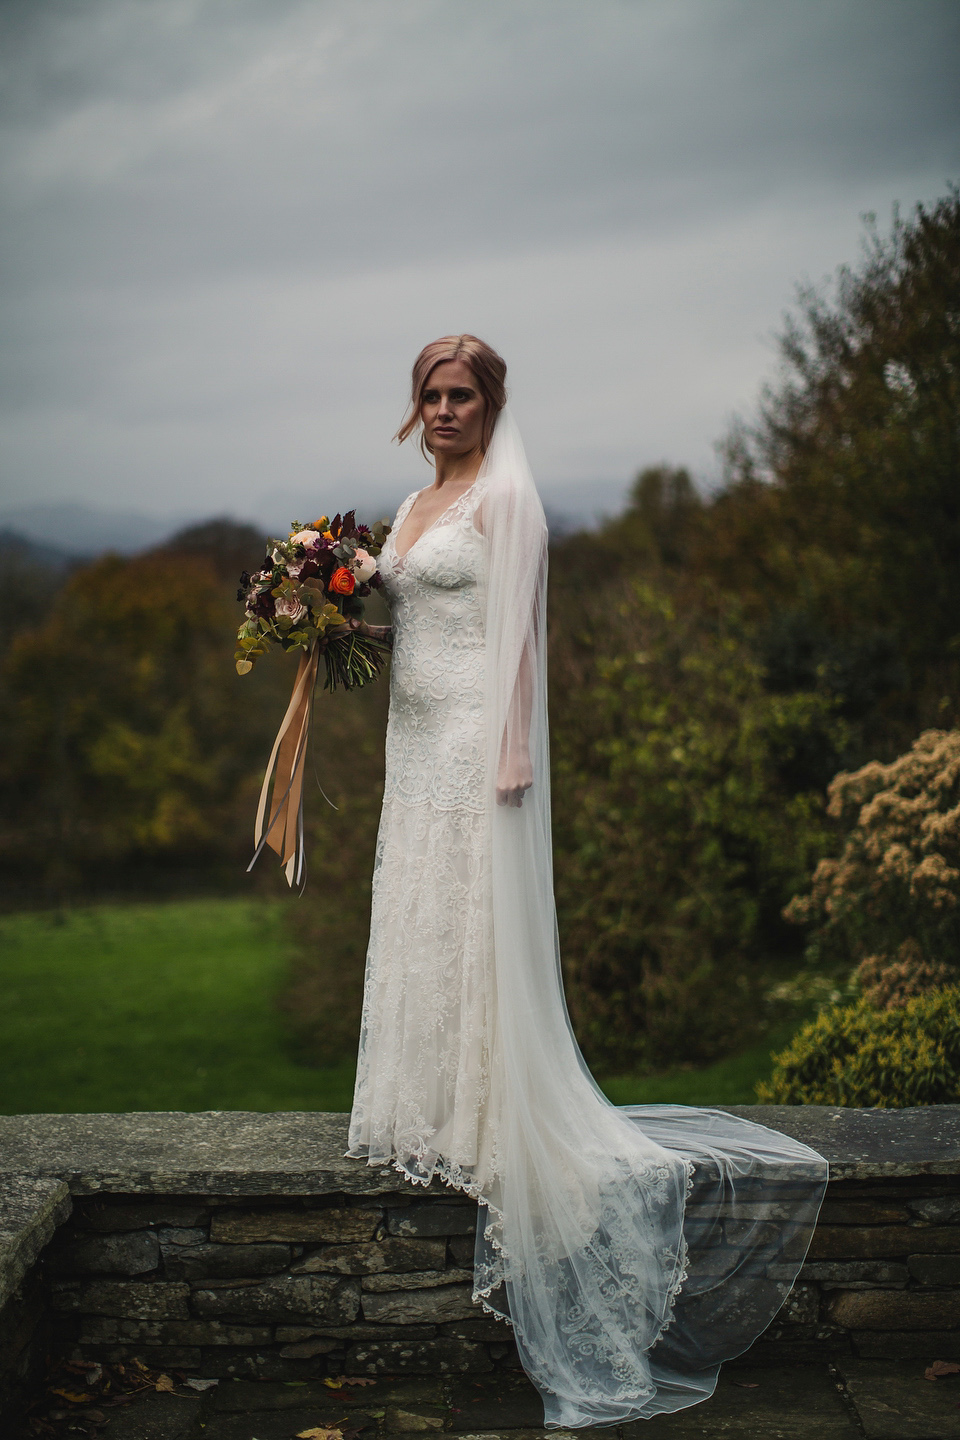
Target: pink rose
point(309, 539)
point(289, 606)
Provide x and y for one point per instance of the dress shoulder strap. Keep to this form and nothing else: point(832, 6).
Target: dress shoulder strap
point(404, 510)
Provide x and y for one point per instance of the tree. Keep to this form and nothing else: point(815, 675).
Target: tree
point(716, 661)
point(677, 841)
point(839, 526)
point(227, 546)
point(128, 741)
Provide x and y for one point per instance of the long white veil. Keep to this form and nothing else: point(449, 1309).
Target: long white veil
point(633, 1249)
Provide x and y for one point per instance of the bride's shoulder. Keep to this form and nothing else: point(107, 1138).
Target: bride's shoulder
point(406, 505)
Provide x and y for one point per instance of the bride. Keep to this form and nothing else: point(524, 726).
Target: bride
point(633, 1249)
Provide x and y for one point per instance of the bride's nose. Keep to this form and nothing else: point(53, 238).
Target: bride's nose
point(444, 410)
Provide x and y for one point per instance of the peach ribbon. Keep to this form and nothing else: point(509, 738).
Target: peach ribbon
point(284, 834)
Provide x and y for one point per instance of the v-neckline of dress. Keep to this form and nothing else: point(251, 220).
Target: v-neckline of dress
point(433, 524)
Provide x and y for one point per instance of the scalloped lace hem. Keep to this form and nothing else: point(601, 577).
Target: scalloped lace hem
point(453, 1177)
point(683, 1276)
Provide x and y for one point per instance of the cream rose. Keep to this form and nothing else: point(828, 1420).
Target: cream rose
point(309, 539)
point(363, 566)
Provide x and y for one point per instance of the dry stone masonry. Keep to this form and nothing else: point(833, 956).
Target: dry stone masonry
point(246, 1247)
point(280, 1291)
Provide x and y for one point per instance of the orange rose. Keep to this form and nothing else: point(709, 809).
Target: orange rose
point(342, 581)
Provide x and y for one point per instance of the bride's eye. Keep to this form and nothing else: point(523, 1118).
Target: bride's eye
point(430, 397)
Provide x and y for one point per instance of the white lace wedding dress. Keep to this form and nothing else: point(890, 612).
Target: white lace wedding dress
point(632, 1249)
point(424, 1069)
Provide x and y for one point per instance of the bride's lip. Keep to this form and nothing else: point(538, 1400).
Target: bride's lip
point(445, 430)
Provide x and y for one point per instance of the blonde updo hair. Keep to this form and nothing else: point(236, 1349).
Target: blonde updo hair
point(489, 371)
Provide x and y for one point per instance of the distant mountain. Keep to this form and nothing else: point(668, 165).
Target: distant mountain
point(82, 530)
point(18, 551)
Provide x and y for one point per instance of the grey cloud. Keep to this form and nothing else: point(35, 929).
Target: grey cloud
point(295, 129)
point(230, 223)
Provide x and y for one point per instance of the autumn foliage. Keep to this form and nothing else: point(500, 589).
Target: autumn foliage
point(125, 750)
point(889, 904)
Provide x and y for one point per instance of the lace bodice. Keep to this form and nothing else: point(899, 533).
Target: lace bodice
point(435, 732)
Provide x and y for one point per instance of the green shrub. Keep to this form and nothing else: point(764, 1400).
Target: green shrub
point(859, 1055)
point(330, 923)
point(676, 840)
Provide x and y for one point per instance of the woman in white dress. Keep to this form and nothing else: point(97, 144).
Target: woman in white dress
point(632, 1249)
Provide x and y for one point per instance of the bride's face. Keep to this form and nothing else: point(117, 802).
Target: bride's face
point(452, 409)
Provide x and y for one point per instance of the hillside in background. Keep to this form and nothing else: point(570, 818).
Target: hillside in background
point(84, 531)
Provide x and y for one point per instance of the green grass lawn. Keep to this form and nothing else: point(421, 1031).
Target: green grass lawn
point(151, 1007)
point(728, 1082)
point(172, 1007)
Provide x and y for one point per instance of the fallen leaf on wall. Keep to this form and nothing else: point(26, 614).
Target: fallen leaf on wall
point(939, 1368)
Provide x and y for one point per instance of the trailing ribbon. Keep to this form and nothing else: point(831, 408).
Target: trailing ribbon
point(284, 834)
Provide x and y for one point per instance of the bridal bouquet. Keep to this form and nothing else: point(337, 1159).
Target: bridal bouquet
point(309, 585)
point(308, 589)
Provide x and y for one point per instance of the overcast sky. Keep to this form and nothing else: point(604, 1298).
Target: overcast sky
point(230, 225)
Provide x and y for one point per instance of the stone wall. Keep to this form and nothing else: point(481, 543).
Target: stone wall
point(282, 1290)
point(881, 1278)
point(31, 1209)
point(246, 1246)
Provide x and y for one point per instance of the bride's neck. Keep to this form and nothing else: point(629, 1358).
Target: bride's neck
point(457, 469)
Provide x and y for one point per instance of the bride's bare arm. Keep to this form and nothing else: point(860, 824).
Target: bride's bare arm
point(515, 775)
point(515, 770)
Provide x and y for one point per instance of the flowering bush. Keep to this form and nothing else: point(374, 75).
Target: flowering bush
point(889, 904)
point(859, 1055)
point(312, 583)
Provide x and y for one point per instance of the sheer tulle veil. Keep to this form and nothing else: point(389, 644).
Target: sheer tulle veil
point(633, 1250)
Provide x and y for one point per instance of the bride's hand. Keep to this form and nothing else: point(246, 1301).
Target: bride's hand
point(515, 778)
point(339, 632)
point(377, 632)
